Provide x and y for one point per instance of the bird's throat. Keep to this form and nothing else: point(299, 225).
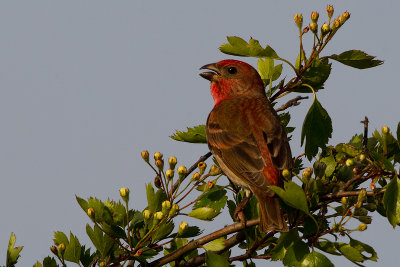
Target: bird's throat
point(220, 91)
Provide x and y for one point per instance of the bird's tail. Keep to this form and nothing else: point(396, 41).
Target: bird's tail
point(271, 218)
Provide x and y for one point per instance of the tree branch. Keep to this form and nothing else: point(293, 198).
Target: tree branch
point(365, 137)
point(341, 194)
point(229, 243)
point(203, 240)
point(290, 103)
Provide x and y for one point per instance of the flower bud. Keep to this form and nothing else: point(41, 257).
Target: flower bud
point(361, 211)
point(362, 157)
point(146, 214)
point(182, 228)
point(371, 207)
point(365, 219)
point(174, 209)
point(385, 129)
point(349, 162)
point(286, 174)
point(160, 164)
point(158, 215)
point(169, 174)
point(335, 25)
point(145, 155)
point(298, 19)
point(325, 29)
point(345, 16)
point(214, 170)
point(362, 195)
point(202, 167)
point(314, 27)
point(356, 170)
point(102, 264)
point(362, 227)
point(158, 156)
point(54, 249)
point(344, 201)
point(305, 30)
point(157, 181)
point(372, 185)
point(166, 205)
point(329, 10)
point(61, 248)
point(196, 176)
point(314, 16)
point(172, 162)
point(182, 172)
point(124, 193)
point(210, 184)
point(90, 213)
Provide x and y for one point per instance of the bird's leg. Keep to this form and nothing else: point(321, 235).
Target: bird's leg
point(239, 211)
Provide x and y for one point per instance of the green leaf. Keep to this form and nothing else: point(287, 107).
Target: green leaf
point(163, 231)
point(391, 201)
point(154, 200)
point(195, 134)
point(216, 245)
point(238, 47)
point(398, 133)
point(293, 195)
point(59, 238)
point(362, 248)
point(357, 59)
point(349, 150)
point(316, 259)
point(316, 75)
point(13, 253)
point(295, 253)
point(191, 231)
point(286, 239)
point(86, 256)
point(50, 262)
point(103, 243)
point(215, 199)
point(215, 260)
point(316, 130)
point(328, 246)
point(73, 249)
point(204, 213)
point(349, 252)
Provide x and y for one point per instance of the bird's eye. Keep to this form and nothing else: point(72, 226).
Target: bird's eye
point(232, 70)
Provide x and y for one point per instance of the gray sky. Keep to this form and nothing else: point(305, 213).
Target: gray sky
point(85, 86)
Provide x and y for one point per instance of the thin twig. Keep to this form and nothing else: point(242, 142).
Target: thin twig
point(203, 240)
point(365, 137)
point(229, 243)
point(290, 103)
point(355, 178)
point(341, 194)
point(191, 169)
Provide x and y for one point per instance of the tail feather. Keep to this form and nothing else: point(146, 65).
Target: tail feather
point(271, 217)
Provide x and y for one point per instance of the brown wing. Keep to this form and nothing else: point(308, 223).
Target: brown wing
point(237, 130)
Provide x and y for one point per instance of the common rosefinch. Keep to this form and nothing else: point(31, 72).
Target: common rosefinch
point(246, 137)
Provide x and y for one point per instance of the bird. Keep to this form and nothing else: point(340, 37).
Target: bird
point(246, 136)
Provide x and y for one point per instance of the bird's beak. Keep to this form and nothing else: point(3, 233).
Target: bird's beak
point(210, 75)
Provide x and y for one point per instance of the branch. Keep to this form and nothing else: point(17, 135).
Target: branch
point(290, 103)
point(341, 194)
point(365, 137)
point(203, 240)
point(191, 169)
point(355, 178)
point(229, 243)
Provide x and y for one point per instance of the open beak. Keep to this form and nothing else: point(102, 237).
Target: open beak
point(209, 75)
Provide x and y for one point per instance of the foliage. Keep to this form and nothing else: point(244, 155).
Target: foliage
point(347, 182)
